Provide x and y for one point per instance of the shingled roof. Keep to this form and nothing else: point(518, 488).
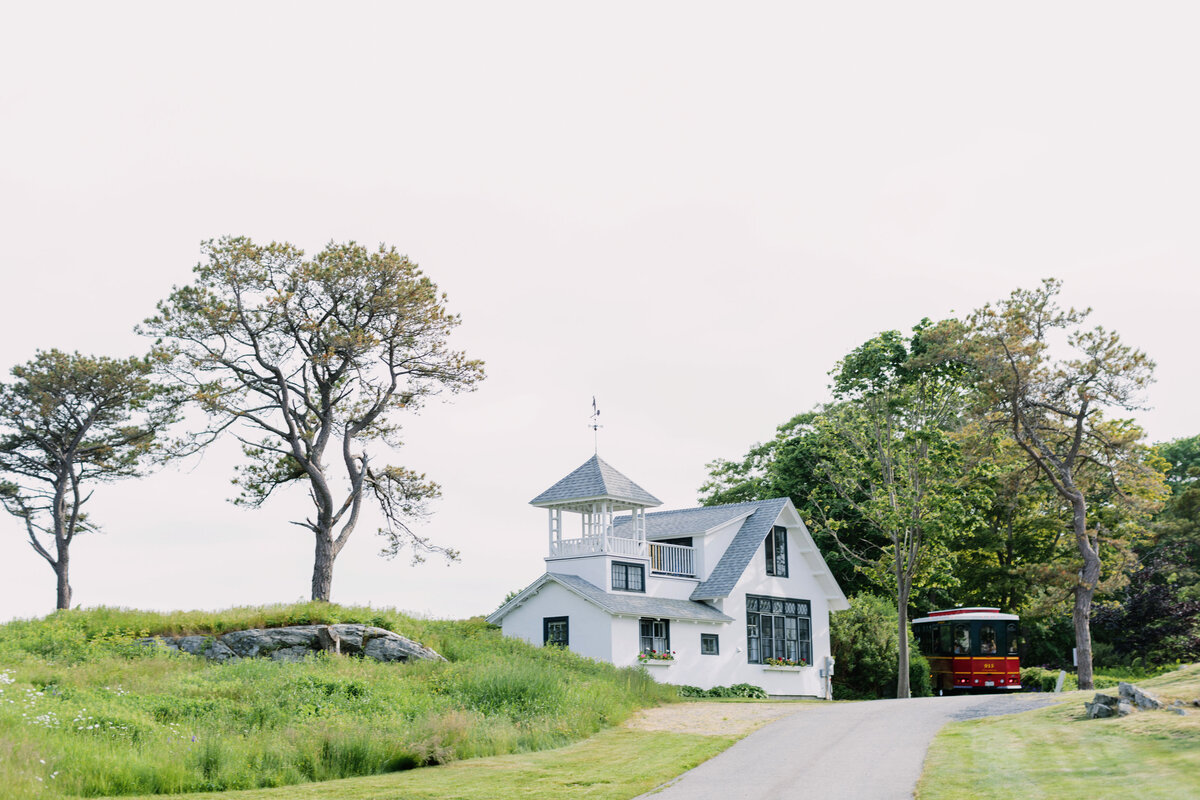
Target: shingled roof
point(747, 540)
point(631, 605)
point(596, 478)
point(689, 521)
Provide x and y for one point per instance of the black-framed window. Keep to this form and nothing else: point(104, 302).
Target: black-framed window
point(776, 547)
point(628, 577)
point(655, 635)
point(709, 644)
point(778, 627)
point(556, 631)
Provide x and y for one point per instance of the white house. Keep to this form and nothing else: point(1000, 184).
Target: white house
point(730, 594)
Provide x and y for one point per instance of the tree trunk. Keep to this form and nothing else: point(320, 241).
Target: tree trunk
point(60, 570)
point(1089, 577)
point(903, 689)
point(322, 580)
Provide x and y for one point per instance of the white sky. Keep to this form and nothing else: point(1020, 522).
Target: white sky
point(688, 210)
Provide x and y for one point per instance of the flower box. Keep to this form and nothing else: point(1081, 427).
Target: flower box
point(656, 657)
point(657, 662)
point(774, 668)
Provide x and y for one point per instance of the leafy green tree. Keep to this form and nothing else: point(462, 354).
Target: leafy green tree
point(67, 422)
point(790, 466)
point(1050, 406)
point(999, 562)
point(1183, 455)
point(894, 462)
point(865, 643)
point(308, 361)
point(1156, 617)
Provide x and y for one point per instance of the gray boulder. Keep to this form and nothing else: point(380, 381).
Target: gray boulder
point(1102, 706)
point(295, 642)
point(351, 637)
point(210, 647)
point(1138, 697)
point(293, 653)
point(383, 645)
point(264, 641)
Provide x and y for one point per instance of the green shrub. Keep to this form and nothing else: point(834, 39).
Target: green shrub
point(920, 682)
point(865, 641)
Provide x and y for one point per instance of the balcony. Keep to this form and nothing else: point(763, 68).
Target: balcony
point(592, 545)
point(672, 559)
point(675, 560)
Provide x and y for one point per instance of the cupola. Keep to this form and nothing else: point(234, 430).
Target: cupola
point(596, 491)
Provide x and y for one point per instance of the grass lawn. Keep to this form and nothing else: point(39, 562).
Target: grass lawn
point(1058, 753)
point(615, 764)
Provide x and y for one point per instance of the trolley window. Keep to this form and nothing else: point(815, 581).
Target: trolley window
point(945, 645)
point(962, 640)
point(1014, 638)
point(987, 639)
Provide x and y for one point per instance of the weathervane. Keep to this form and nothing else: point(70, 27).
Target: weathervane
point(595, 424)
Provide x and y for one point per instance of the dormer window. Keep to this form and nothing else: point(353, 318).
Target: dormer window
point(776, 547)
point(628, 577)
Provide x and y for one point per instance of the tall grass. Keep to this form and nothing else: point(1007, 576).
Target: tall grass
point(87, 710)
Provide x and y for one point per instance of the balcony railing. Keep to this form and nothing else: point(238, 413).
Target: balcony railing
point(590, 545)
point(665, 559)
point(672, 559)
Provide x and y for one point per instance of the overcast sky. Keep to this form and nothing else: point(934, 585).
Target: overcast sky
point(688, 210)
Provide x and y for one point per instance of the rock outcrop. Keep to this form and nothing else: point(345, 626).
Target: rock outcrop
point(1139, 697)
point(1129, 698)
point(295, 642)
point(1103, 705)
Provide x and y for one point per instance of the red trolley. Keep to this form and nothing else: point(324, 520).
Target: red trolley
point(971, 648)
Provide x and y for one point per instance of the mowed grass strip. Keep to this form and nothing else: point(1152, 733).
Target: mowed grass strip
point(1057, 753)
point(615, 764)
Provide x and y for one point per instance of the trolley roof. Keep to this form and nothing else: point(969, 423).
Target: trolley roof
point(966, 614)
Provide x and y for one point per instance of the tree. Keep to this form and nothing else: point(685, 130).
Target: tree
point(893, 461)
point(1050, 406)
point(1157, 616)
point(66, 421)
point(790, 465)
point(1000, 562)
point(864, 641)
point(315, 357)
point(1183, 455)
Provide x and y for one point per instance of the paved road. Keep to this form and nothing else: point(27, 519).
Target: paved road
point(838, 751)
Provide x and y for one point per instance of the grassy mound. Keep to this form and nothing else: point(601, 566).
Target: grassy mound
point(86, 710)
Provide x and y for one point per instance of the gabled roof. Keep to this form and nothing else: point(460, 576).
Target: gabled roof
point(745, 543)
point(689, 521)
point(633, 605)
point(757, 518)
point(595, 479)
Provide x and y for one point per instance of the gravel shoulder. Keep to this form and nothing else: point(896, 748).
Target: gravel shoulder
point(711, 719)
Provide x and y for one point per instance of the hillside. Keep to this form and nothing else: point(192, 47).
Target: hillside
point(85, 709)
